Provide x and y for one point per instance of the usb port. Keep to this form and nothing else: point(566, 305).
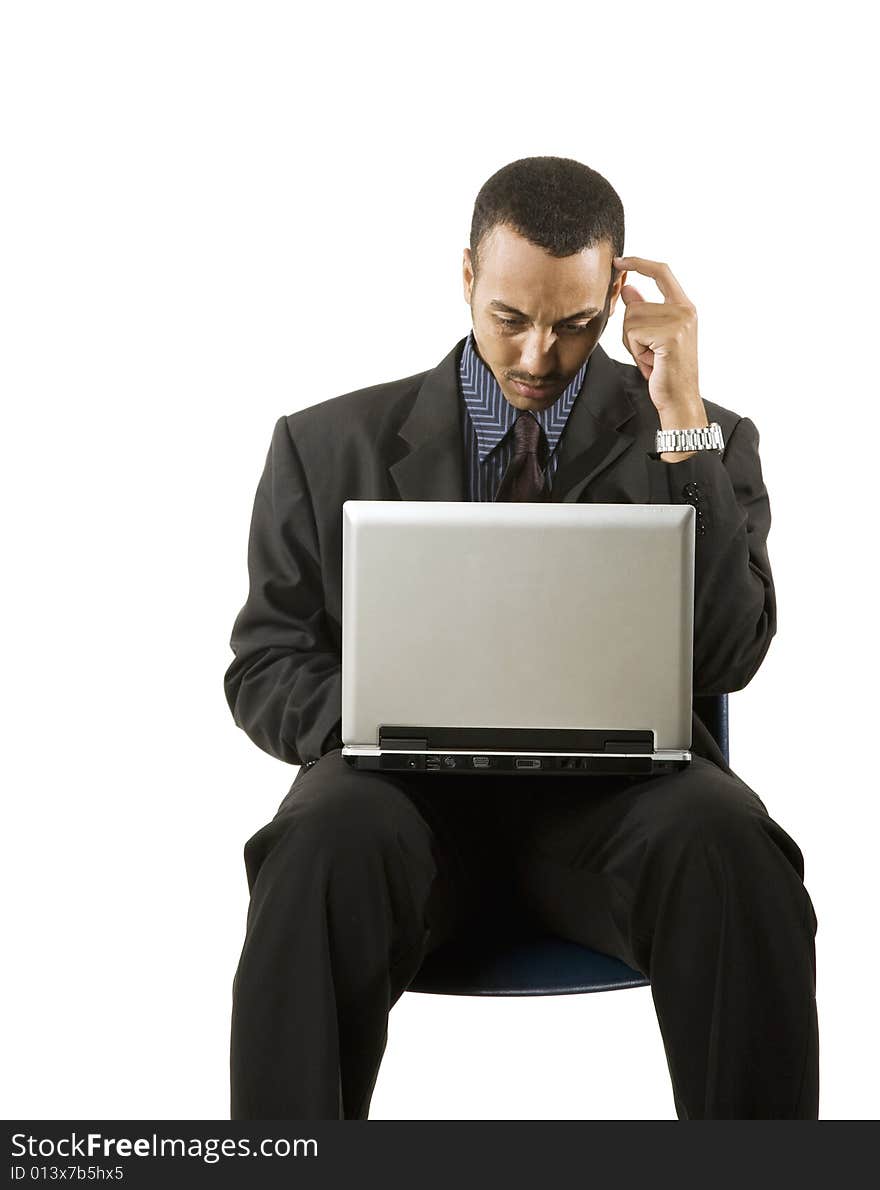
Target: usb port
point(481, 762)
point(523, 763)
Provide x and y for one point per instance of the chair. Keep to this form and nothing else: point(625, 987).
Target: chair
point(533, 964)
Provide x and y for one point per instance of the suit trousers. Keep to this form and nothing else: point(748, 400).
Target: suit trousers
point(683, 876)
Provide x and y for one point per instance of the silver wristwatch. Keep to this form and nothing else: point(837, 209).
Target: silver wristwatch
point(701, 438)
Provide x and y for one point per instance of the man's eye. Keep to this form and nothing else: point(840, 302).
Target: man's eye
point(575, 327)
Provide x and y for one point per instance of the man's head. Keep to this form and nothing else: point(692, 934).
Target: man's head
point(538, 275)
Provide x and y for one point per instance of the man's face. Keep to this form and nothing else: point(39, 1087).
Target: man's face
point(537, 317)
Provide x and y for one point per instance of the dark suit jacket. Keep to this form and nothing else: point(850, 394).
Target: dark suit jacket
point(404, 441)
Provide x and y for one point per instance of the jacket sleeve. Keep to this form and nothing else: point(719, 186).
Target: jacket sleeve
point(734, 597)
point(284, 687)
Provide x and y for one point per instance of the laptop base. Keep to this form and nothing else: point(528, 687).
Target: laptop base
point(375, 759)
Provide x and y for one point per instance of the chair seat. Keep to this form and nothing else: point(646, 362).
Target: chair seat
point(526, 963)
point(521, 965)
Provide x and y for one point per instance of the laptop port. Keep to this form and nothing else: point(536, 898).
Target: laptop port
point(481, 762)
point(525, 763)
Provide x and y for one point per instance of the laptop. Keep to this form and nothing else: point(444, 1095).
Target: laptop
point(517, 638)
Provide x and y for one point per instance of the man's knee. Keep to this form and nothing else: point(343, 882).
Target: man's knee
point(703, 810)
point(336, 819)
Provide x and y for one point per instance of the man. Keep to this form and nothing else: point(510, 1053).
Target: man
point(359, 875)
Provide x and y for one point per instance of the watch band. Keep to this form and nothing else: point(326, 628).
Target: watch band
point(699, 438)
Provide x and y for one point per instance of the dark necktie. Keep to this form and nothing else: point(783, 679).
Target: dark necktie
point(524, 477)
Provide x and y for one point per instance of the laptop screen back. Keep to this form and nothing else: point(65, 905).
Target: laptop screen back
point(517, 615)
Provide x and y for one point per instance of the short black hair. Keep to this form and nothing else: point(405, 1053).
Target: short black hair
point(555, 203)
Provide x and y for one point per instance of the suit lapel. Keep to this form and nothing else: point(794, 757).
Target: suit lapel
point(592, 438)
point(434, 467)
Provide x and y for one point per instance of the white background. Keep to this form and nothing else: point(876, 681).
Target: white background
point(217, 213)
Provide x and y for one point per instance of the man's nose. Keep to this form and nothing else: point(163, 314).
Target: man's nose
point(538, 352)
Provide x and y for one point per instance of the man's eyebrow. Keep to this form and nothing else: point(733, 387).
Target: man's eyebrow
point(589, 312)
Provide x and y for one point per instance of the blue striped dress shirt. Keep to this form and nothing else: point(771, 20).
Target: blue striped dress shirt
point(489, 416)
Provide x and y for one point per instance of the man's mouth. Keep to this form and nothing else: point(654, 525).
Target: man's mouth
point(535, 390)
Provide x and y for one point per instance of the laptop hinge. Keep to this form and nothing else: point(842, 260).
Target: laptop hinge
point(404, 743)
point(534, 739)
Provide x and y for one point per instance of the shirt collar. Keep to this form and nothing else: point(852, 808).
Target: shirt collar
point(492, 414)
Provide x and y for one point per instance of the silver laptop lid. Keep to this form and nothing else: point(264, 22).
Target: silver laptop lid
point(517, 615)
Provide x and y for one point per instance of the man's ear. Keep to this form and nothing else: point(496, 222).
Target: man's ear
point(467, 275)
point(615, 290)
